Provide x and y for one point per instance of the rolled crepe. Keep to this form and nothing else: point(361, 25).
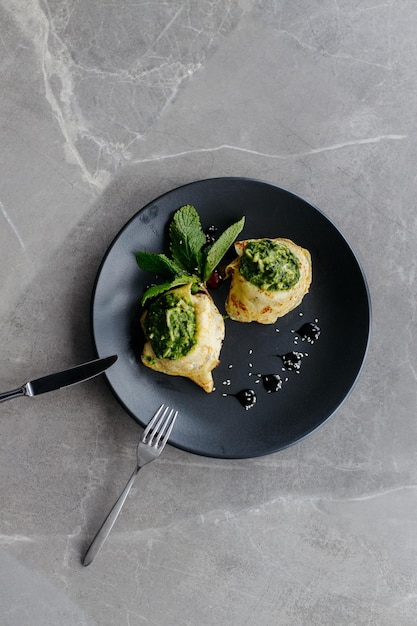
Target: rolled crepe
point(203, 356)
point(247, 302)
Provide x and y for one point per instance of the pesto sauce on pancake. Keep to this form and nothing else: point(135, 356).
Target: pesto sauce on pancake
point(171, 326)
point(269, 265)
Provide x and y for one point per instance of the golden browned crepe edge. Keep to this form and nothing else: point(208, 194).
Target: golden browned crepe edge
point(247, 303)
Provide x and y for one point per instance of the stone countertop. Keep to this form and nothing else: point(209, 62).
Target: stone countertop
point(104, 107)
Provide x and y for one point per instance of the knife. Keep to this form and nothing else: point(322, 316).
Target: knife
point(75, 375)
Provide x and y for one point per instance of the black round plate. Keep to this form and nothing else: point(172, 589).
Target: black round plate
point(216, 424)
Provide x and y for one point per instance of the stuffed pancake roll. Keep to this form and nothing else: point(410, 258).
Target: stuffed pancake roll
point(184, 333)
point(269, 278)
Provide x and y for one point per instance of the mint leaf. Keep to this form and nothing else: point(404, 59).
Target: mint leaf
point(157, 263)
point(156, 290)
point(187, 239)
point(216, 252)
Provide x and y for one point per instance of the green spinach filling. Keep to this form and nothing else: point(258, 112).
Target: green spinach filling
point(171, 326)
point(269, 265)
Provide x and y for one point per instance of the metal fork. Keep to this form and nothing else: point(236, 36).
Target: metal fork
point(150, 446)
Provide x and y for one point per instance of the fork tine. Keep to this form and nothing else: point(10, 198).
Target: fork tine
point(157, 428)
point(165, 430)
point(160, 427)
point(153, 421)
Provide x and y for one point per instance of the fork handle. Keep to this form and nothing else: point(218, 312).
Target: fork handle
point(108, 523)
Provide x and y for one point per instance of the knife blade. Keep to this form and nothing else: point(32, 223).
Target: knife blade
point(55, 381)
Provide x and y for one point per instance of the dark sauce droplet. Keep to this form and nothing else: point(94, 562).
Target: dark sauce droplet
point(246, 397)
point(309, 332)
point(272, 382)
point(292, 360)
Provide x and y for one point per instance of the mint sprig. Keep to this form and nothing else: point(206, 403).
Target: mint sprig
point(193, 261)
point(187, 239)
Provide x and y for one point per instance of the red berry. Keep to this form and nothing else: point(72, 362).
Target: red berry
point(214, 280)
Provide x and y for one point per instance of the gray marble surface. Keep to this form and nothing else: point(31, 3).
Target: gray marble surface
point(103, 107)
